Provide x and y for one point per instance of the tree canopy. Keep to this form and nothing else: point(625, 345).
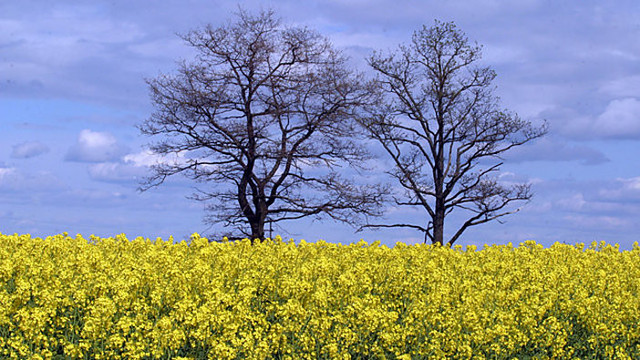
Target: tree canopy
point(444, 132)
point(264, 118)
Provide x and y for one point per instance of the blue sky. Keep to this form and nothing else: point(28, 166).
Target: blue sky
point(72, 90)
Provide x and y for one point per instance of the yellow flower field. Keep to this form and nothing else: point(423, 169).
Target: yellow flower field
point(111, 298)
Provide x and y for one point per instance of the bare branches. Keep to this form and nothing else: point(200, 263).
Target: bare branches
point(437, 119)
point(261, 105)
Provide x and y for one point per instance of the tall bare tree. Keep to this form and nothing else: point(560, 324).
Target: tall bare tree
point(265, 116)
point(444, 132)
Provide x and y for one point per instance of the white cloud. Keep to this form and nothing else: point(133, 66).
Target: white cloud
point(621, 119)
point(147, 158)
point(96, 139)
point(143, 158)
point(93, 146)
point(115, 172)
point(506, 174)
point(131, 167)
point(28, 150)
point(632, 183)
point(5, 173)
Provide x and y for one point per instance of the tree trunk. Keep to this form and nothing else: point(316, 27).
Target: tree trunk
point(257, 230)
point(257, 225)
point(438, 222)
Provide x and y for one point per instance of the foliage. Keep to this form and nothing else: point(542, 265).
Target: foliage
point(111, 298)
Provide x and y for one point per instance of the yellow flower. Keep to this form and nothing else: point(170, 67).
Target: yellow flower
point(114, 298)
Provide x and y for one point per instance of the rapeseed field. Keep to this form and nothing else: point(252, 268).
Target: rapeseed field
point(68, 297)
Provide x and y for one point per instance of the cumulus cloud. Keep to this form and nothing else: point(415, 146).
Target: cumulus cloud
point(94, 146)
point(29, 149)
point(131, 167)
point(621, 119)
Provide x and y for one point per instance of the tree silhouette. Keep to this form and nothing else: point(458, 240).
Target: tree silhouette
point(440, 124)
point(265, 116)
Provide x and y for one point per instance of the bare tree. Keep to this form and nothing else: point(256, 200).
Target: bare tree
point(265, 115)
point(444, 132)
